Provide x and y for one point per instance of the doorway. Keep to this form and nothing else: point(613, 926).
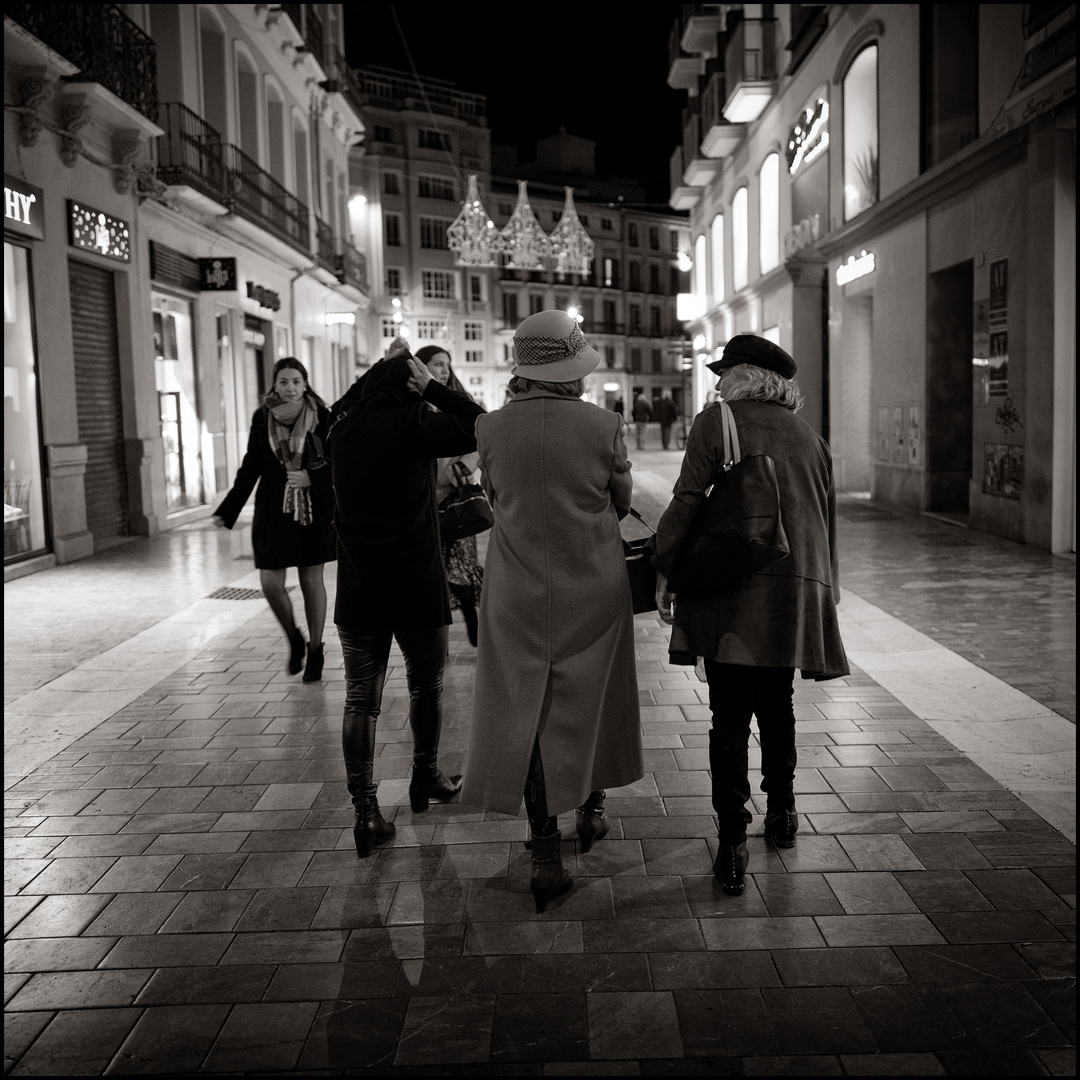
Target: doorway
point(949, 394)
point(850, 423)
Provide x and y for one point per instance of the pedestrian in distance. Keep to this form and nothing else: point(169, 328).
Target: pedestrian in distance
point(383, 444)
point(293, 506)
point(556, 718)
point(463, 570)
point(642, 414)
point(753, 636)
point(665, 412)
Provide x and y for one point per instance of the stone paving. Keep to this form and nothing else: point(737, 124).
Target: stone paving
point(181, 895)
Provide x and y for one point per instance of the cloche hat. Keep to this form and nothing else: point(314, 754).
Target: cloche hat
point(759, 351)
point(550, 347)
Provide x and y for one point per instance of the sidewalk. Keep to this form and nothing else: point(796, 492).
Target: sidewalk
point(181, 893)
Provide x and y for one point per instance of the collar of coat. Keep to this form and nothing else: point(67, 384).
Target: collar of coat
point(531, 395)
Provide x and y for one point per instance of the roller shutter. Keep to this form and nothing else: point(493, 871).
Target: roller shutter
point(97, 394)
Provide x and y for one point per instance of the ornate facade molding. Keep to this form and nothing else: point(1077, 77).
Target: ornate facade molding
point(35, 89)
point(74, 116)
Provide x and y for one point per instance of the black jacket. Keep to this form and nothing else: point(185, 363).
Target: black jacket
point(279, 541)
point(383, 454)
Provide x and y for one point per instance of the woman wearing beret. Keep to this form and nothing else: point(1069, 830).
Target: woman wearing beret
point(752, 637)
point(293, 505)
point(383, 444)
point(556, 716)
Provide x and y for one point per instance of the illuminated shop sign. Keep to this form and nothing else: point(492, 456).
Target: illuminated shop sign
point(856, 267)
point(217, 275)
point(340, 318)
point(809, 137)
point(255, 338)
point(93, 230)
point(24, 209)
point(266, 298)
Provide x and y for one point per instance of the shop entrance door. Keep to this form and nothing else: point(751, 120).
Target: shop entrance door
point(949, 394)
point(850, 391)
point(98, 400)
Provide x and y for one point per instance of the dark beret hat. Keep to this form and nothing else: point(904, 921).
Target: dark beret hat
point(751, 349)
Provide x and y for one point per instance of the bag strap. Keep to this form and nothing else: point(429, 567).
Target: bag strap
point(634, 513)
point(732, 452)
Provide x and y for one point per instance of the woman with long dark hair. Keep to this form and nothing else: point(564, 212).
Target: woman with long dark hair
point(293, 505)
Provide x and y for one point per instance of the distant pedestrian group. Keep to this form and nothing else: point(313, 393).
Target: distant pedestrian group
point(555, 719)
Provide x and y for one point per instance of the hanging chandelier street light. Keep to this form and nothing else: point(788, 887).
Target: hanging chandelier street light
point(570, 243)
point(472, 235)
point(523, 237)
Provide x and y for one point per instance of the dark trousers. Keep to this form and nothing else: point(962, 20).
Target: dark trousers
point(665, 434)
point(735, 694)
point(366, 653)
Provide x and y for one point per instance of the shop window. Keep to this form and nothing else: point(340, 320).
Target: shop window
point(700, 271)
point(717, 234)
point(769, 213)
point(24, 504)
point(740, 241)
point(950, 79)
point(178, 401)
point(861, 134)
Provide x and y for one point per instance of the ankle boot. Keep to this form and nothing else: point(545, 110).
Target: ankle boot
point(427, 783)
point(781, 827)
point(548, 878)
point(370, 828)
point(591, 823)
point(313, 668)
point(296, 651)
point(730, 867)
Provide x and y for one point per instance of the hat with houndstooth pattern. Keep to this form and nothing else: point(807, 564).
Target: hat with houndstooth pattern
point(550, 347)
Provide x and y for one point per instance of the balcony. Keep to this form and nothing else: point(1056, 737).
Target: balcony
point(324, 252)
point(351, 267)
point(750, 64)
point(190, 157)
point(701, 29)
point(683, 196)
point(103, 42)
point(699, 170)
point(309, 27)
point(683, 71)
point(257, 196)
point(719, 138)
point(391, 89)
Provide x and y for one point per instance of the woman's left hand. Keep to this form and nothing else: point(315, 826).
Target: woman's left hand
point(665, 600)
point(420, 375)
point(298, 478)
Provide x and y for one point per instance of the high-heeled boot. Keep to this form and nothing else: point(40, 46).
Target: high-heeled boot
point(370, 828)
point(428, 782)
point(314, 666)
point(591, 823)
point(548, 879)
point(296, 651)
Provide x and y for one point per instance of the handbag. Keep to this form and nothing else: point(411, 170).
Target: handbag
point(466, 510)
point(738, 529)
point(640, 570)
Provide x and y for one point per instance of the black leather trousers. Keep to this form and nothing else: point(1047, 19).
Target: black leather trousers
point(735, 694)
point(366, 654)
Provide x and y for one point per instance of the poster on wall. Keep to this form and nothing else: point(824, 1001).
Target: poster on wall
point(999, 362)
point(980, 353)
point(999, 290)
point(913, 427)
point(898, 455)
point(1003, 470)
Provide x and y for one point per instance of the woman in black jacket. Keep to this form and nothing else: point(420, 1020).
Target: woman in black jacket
point(293, 505)
point(391, 578)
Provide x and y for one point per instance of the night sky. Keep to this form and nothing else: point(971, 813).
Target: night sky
point(599, 69)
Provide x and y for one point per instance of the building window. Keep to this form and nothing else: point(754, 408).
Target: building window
point(861, 134)
point(635, 277)
point(391, 183)
point(433, 232)
point(584, 219)
point(510, 309)
point(950, 79)
point(654, 278)
point(536, 303)
point(474, 331)
point(657, 323)
point(635, 318)
point(654, 238)
point(300, 161)
point(611, 325)
point(555, 215)
point(673, 239)
point(609, 355)
point(436, 187)
point(474, 356)
point(717, 236)
point(393, 230)
point(428, 329)
point(631, 234)
point(769, 213)
point(393, 281)
point(389, 327)
point(673, 280)
point(605, 224)
point(433, 140)
point(740, 241)
point(383, 133)
point(476, 288)
point(635, 359)
point(700, 271)
point(439, 285)
point(657, 360)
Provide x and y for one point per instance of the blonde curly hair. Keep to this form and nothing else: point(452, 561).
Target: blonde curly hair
point(750, 382)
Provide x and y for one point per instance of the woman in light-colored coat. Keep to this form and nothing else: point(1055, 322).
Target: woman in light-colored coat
point(556, 708)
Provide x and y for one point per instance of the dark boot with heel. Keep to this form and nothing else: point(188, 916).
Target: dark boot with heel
point(370, 828)
point(297, 645)
point(781, 827)
point(730, 867)
point(314, 666)
point(428, 782)
point(591, 823)
point(548, 879)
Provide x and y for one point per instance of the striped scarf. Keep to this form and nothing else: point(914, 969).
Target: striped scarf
point(288, 446)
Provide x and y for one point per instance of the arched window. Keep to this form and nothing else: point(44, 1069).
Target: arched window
point(215, 94)
point(300, 161)
point(861, 133)
point(718, 258)
point(740, 241)
point(275, 129)
point(247, 94)
point(769, 213)
point(700, 271)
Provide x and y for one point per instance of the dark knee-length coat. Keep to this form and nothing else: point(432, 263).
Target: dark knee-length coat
point(555, 656)
point(277, 539)
point(784, 615)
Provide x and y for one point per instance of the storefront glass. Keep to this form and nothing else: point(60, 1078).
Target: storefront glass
point(24, 503)
point(178, 401)
point(861, 134)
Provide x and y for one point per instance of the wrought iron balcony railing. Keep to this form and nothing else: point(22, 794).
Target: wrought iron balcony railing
point(190, 152)
point(352, 267)
point(106, 45)
point(256, 195)
point(325, 250)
